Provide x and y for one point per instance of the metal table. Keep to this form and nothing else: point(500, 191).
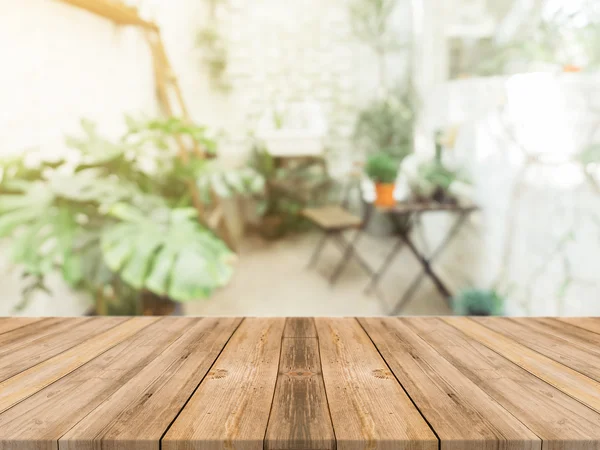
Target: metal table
point(407, 216)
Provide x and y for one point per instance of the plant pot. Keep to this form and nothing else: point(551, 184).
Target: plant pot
point(570, 68)
point(385, 195)
point(272, 226)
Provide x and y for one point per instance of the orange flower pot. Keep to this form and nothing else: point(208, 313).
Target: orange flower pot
point(571, 68)
point(385, 195)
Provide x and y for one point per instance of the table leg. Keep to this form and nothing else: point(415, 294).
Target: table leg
point(349, 252)
point(384, 266)
point(426, 265)
point(317, 252)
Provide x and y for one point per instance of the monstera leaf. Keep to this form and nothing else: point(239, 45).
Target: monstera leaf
point(44, 234)
point(94, 150)
point(168, 253)
point(29, 201)
point(227, 183)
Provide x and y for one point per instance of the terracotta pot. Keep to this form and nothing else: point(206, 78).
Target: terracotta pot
point(272, 226)
point(385, 195)
point(571, 68)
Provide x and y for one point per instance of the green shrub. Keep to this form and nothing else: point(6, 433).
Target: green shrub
point(478, 302)
point(381, 168)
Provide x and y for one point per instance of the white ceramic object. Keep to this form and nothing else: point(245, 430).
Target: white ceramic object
point(301, 129)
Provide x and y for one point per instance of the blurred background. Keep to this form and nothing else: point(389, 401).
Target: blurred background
point(315, 157)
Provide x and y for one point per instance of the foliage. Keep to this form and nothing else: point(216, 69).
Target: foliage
point(386, 125)
point(381, 168)
point(214, 47)
point(438, 175)
point(478, 302)
point(372, 23)
point(590, 155)
point(568, 39)
point(288, 189)
point(226, 183)
point(166, 252)
point(432, 180)
point(114, 217)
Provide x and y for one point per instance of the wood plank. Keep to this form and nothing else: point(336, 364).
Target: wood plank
point(587, 323)
point(565, 379)
point(231, 407)
point(12, 323)
point(369, 409)
point(28, 382)
point(584, 357)
point(299, 417)
point(23, 354)
point(40, 420)
point(28, 333)
point(562, 422)
point(300, 327)
point(571, 333)
point(463, 416)
point(144, 407)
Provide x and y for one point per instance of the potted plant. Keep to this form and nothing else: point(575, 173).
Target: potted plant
point(478, 302)
point(117, 219)
point(382, 169)
point(289, 187)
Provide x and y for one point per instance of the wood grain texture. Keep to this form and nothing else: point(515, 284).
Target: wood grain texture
point(25, 353)
point(587, 323)
point(300, 327)
point(40, 420)
point(12, 323)
point(369, 409)
point(565, 379)
point(463, 416)
point(25, 334)
point(141, 410)
point(562, 422)
point(551, 341)
point(299, 417)
point(30, 381)
point(231, 407)
point(332, 217)
point(180, 383)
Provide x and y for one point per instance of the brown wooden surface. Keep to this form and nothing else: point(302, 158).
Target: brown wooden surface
point(369, 409)
point(299, 383)
point(332, 218)
point(300, 413)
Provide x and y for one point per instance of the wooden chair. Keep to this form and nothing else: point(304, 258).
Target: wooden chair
point(333, 221)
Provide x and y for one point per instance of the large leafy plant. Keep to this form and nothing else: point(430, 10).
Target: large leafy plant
point(115, 218)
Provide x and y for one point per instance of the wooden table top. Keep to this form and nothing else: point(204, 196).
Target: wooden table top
point(299, 384)
point(421, 207)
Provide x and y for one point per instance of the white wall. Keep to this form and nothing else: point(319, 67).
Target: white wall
point(545, 274)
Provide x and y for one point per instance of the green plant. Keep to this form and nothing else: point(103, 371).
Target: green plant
point(565, 38)
point(115, 218)
point(386, 125)
point(372, 23)
point(381, 168)
point(214, 47)
point(432, 180)
point(288, 189)
point(478, 302)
